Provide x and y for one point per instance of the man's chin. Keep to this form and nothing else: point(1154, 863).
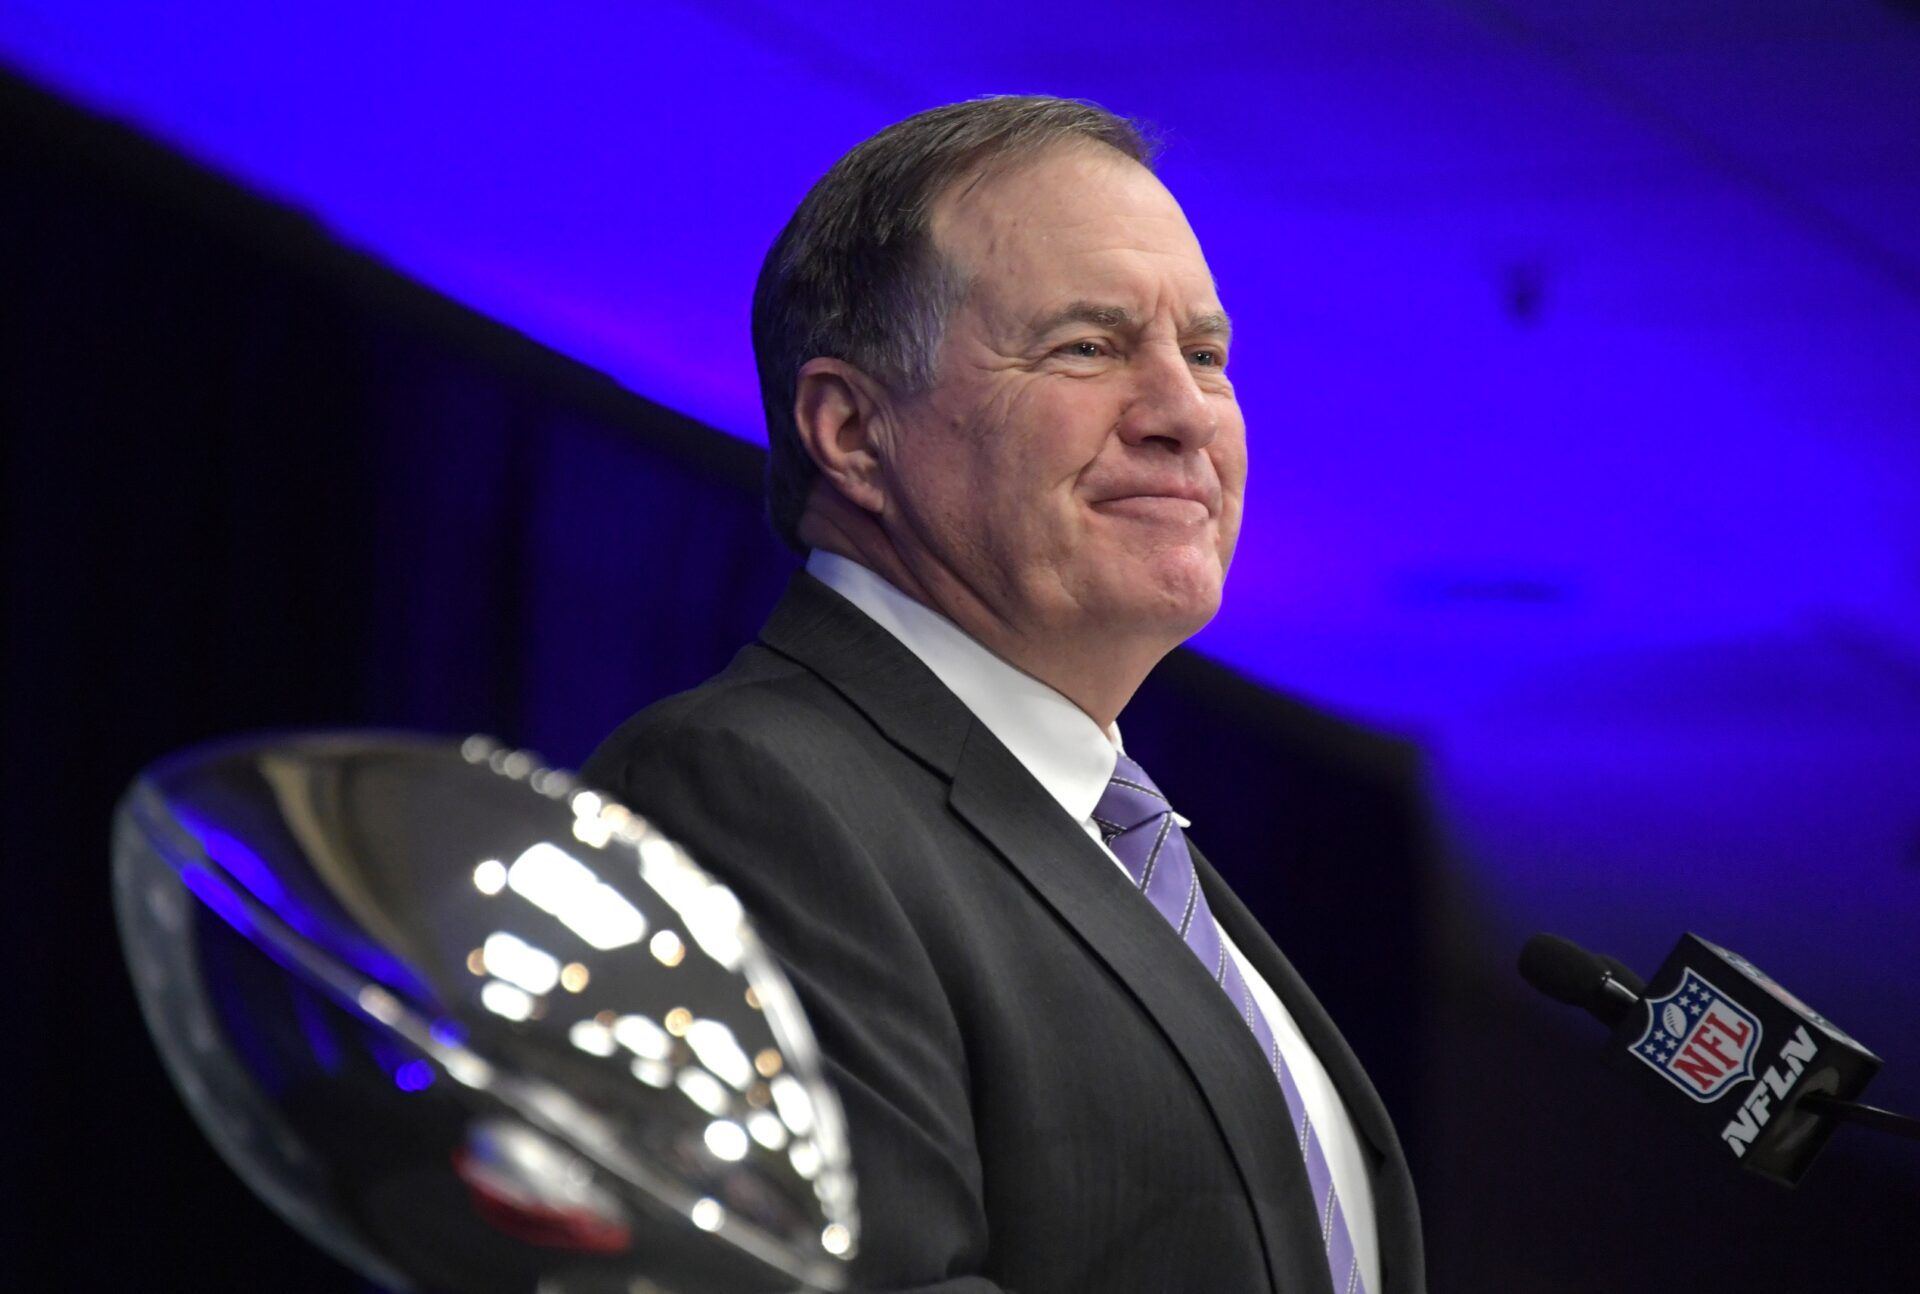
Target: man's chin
point(1178, 594)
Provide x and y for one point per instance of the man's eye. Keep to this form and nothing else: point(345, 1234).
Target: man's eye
point(1084, 349)
point(1208, 358)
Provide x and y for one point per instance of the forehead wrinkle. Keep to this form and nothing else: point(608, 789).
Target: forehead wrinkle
point(979, 226)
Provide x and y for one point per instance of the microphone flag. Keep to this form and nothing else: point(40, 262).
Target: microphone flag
point(1745, 1051)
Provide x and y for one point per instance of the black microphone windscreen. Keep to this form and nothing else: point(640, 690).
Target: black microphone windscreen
point(1562, 969)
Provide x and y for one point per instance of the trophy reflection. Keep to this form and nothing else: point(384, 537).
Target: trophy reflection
point(472, 1027)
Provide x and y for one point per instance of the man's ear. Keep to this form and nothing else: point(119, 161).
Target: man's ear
point(838, 410)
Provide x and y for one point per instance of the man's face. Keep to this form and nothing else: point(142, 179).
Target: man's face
point(1080, 459)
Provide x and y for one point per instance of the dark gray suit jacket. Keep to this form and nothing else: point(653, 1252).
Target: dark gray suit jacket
point(1046, 1092)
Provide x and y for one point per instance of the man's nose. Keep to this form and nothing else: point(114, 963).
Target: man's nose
point(1166, 403)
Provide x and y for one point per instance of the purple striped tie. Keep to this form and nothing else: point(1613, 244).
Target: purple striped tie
point(1137, 824)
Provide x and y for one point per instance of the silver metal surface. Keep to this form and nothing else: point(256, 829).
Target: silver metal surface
point(470, 1026)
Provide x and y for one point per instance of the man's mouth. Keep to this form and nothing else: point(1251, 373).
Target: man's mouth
point(1172, 509)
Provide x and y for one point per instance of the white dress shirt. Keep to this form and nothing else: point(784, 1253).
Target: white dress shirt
point(1071, 757)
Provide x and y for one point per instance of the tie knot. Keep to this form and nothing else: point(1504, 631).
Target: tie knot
point(1130, 799)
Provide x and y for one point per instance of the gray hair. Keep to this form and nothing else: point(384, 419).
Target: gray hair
point(855, 275)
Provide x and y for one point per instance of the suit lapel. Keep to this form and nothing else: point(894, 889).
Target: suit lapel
point(999, 799)
point(1396, 1214)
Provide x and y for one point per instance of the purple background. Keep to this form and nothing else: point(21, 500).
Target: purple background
point(1580, 345)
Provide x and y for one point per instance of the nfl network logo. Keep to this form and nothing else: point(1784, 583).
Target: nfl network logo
point(1698, 1039)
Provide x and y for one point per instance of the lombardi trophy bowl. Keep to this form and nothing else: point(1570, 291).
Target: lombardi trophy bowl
point(471, 1026)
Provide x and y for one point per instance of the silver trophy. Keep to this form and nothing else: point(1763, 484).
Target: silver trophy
point(470, 1026)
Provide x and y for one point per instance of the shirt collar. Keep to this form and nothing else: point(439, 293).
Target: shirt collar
point(1054, 739)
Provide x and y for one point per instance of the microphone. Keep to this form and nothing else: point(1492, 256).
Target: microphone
point(1761, 1071)
point(1566, 972)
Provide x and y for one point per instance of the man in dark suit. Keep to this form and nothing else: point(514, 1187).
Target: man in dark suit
point(993, 363)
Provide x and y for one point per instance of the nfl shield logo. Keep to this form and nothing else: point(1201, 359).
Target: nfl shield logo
point(1698, 1039)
